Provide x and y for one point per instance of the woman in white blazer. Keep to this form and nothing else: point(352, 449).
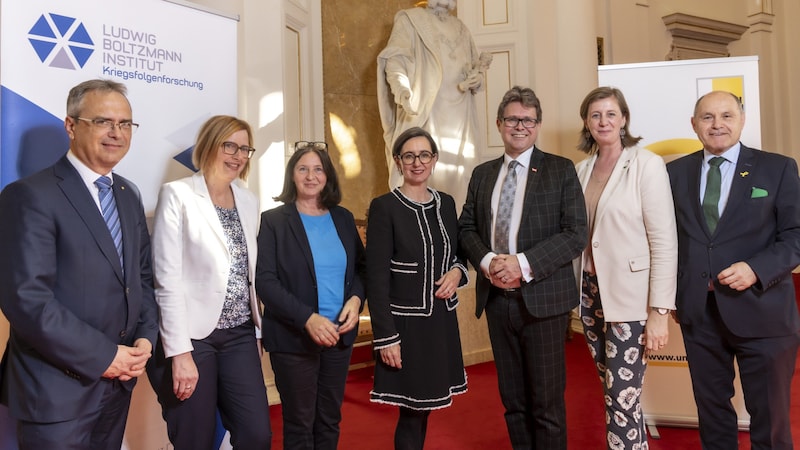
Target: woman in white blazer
point(204, 258)
point(631, 259)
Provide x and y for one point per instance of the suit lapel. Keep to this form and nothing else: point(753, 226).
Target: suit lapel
point(299, 233)
point(80, 198)
point(739, 184)
point(535, 165)
point(127, 205)
point(486, 197)
point(626, 158)
point(207, 209)
point(693, 188)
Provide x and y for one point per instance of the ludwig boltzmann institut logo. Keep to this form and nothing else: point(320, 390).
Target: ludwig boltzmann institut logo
point(61, 41)
point(128, 53)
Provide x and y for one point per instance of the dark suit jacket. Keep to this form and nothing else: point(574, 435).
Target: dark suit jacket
point(761, 230)
point(403, 262)
point(64, 292)
point(551, 234)
point(286, 281)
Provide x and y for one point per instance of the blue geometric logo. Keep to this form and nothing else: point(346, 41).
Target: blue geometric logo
point(62, 40)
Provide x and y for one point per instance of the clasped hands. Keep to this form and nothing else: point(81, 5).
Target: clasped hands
point(129, 362)
point(326, 333)
point(505, 272)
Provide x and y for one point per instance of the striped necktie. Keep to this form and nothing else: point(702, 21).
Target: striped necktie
point(109, 208)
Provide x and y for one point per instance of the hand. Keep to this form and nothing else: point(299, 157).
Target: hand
point(504, 271)
point(403, 98)
point(448, 284)
point(322, 331)
point(129, 362)
point(472, 82)
point(656, 331)
point(391, 356)
point(738, 276)
point(184, 375)
point(348, 318)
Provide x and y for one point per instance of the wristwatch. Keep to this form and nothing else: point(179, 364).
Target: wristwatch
point(661, 311)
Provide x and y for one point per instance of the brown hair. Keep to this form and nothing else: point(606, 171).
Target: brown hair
point(211, 136)
point(330, 196)
point(586, 141)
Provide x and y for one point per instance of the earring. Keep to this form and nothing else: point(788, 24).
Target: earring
point(622, 132)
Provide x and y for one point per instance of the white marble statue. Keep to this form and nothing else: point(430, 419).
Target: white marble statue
point(427, 77)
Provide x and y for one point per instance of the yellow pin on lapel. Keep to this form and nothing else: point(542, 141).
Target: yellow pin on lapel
point(744, 174)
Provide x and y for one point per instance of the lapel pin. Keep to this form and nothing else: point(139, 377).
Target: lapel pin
point(534, 169)
point(744, 174)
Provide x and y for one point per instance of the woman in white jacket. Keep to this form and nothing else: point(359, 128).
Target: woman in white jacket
point(204, 257)
point(631, 259)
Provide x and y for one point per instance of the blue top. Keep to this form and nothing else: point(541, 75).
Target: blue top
point(330, 262)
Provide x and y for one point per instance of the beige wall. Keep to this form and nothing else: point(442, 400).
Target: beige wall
point(634, 32)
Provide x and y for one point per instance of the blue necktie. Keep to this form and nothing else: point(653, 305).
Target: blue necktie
point(711, 197)
point(110, 215)
point(502, 223)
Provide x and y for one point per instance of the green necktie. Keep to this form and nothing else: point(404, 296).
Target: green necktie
point(711, 197)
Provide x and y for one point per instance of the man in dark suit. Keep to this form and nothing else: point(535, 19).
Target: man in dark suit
point(81, 309)
point(738, 242)
point(522, 242)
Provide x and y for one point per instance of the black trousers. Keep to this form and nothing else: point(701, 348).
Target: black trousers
point(312, 390)
point(766, 367)
point(529, 355)
point(230, 379)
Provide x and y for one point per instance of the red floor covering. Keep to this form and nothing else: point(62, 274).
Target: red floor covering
point(475, 421)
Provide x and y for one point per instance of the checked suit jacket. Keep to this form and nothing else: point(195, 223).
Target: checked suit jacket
point(552, 231)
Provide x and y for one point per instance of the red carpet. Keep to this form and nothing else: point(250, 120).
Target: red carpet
point(475, 421)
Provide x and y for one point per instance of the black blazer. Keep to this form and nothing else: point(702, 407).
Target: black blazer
point(551, 234)
point(401, 268)
point(64, 292)
point(286, 281)
point(760, 226)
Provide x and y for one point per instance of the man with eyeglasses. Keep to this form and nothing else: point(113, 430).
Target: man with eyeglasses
point(523, 223)
point(76, 283)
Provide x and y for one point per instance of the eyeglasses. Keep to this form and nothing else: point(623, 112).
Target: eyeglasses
point(409, 158)
point(109, 125)
point(513, 122)
point(316, 145)
point(230, 148)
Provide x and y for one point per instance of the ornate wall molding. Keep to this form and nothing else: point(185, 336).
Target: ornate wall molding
point(699, 37)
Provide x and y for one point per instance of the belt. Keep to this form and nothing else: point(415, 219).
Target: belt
point(507, 292)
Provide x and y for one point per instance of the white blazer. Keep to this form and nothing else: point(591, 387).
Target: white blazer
point(635, 239)
point(191, 262)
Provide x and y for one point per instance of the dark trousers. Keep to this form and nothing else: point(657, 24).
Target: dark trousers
point(312, 390)
point(412, 425)
point(100, 429)
point(231, 380)
point(531, 372)
point(766, 367)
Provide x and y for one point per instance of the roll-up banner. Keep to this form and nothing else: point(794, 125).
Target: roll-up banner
point(661, 97)
point(179, 63)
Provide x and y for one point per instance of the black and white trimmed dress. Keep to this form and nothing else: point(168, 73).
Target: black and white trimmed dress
point(410, 245)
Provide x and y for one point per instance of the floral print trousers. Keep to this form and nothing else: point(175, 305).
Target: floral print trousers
point(618, 352)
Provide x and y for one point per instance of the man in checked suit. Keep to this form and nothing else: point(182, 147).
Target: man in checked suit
point(738, 242)
point(522, 235)
point(82, 313)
